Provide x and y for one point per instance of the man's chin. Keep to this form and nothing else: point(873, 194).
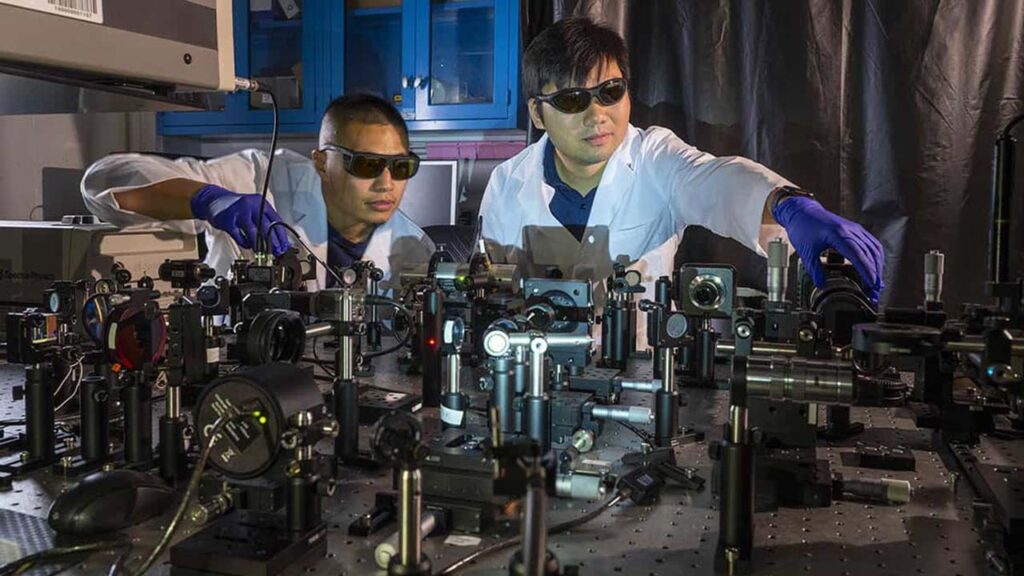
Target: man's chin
point(379, 218)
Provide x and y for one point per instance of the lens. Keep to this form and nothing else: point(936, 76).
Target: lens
point(705, 292)
point(133, 339)
point(571, 101)
point(404, 168)
point(94, 313)
point(362, 166)
point(611, 92)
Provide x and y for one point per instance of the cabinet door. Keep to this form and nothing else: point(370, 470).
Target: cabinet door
point(462, 59)
point(276, 44)
point(379, 52)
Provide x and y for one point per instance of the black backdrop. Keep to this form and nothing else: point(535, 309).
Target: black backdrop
point(886, 109)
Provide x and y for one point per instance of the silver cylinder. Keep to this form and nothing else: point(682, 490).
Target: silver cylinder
point(728, 348)
point(346, 349)
point(319, 329)
point(173, 399)
point(934, 262)
point(778, 264)
point(388, 548)
point(631, 414)
point(668, 369)
point(538, 348)
point(977, 346)
point(579, 486)
point(409, 534)
point(454, 371)
point(737, 424)
point(800, 380)
point(552, 340)
point(641, 385)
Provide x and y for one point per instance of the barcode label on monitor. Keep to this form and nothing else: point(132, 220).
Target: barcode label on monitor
point(88, 10)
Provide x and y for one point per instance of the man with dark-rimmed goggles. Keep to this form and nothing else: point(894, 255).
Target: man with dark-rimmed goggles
point(343, 205)
point(595, 190)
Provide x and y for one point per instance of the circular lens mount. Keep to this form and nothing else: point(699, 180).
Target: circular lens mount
point(707, 292)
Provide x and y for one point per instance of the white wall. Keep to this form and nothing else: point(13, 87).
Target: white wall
point(29, 143)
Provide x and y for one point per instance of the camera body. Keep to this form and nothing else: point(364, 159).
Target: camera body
point(706, 290)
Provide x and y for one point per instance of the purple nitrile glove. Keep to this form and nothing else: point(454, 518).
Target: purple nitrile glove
point(812, 230)
point(237, 215)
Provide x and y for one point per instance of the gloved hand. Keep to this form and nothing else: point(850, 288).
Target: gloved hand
point(237, 215)
point(812, 230)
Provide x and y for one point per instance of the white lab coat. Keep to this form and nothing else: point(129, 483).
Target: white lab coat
point(654, 186)
point(295, 193)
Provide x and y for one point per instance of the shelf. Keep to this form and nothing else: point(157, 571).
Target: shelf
point(461, 4)
point(372, 12)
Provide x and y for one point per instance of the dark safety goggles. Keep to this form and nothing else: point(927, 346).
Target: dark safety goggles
point(368, 165)
point(576, 100)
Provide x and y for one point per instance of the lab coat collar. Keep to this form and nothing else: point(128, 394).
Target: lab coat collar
point(618, 178)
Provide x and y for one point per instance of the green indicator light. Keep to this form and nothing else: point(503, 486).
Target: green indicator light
point(263, 419)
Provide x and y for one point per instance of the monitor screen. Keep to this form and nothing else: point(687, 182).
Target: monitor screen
point(431, 195)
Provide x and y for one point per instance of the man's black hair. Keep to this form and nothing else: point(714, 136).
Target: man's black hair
point(567, 51)
point(368, 109)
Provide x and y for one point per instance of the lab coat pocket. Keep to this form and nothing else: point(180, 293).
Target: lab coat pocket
point(629, 244)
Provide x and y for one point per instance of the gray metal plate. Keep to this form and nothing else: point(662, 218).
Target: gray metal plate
point(933, 534)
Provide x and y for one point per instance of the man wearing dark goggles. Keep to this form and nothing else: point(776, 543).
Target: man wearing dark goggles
point(343, 204)
point(596, 190)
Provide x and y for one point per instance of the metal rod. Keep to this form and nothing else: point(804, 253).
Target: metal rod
point(1002, 193)
point(320, 329)
point(538, 348)
point(641, 385)
point(454, 371)
point(728, 348)
point(409, 518)
point(631, 414)
point(668, 376)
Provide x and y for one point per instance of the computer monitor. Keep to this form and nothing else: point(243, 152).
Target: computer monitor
point(431, 196)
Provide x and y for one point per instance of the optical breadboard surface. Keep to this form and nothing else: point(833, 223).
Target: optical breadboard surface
point(933, 534)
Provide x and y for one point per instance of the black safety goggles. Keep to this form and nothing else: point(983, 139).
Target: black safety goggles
point(576, 100)
point(368, 165)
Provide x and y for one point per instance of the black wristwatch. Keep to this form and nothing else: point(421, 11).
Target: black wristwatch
point(788, 192)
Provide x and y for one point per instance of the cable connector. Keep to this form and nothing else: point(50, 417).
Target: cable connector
point(246, 85)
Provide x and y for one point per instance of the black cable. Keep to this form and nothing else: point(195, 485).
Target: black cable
point(405, 339)
point(643, 434)
point(556, 529)
point(115, 568)
point(1011, 125)
point(316, 359)
point(193, 484)
point(261, 234)
point(298, 238)
point(21, 565)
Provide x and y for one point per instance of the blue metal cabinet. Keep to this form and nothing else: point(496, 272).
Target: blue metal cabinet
point(445, 64)
point(281, 43)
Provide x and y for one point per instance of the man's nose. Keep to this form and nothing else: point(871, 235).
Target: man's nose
point(384, 182)
point(595, 114)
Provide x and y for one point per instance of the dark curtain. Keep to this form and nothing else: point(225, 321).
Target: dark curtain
point(886, 109)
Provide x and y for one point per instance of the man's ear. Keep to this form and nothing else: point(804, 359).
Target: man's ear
point(320, 162)
point(533, 105)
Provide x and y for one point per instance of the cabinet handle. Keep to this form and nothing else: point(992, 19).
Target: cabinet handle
point(417, 82)
point(405, 82)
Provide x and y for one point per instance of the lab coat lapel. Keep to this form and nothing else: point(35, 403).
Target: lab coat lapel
point(616, 183)
point(545, 239)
